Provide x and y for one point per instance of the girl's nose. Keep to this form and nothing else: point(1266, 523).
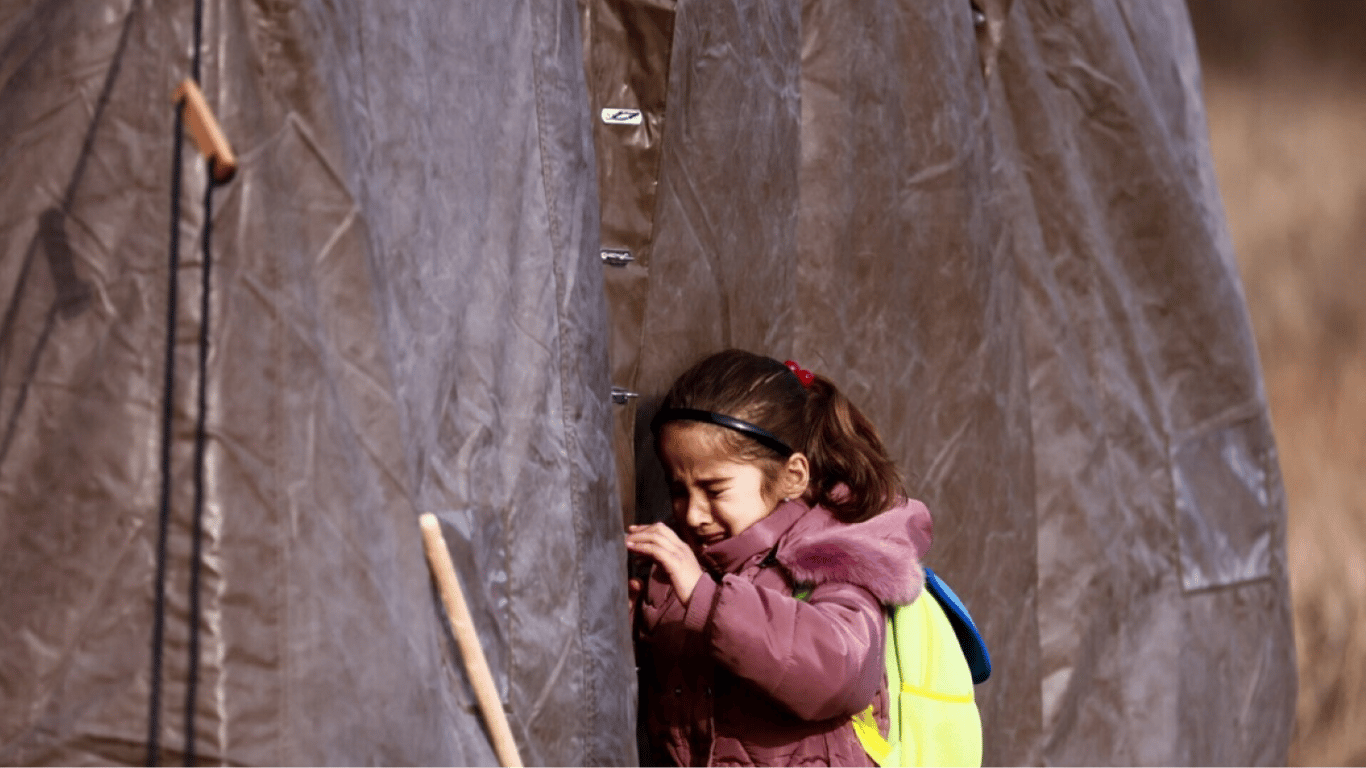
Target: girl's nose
point(696, 514)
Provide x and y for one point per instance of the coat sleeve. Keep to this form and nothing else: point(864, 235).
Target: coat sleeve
point(820, 658)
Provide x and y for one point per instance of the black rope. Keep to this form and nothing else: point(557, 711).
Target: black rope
point(197, 56)
point(167, 414)
point(167, 433)
point(197, 527)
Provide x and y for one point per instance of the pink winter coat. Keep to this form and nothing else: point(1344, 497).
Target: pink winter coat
point(749, 675)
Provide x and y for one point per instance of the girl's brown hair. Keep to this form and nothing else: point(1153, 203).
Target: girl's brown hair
point(842, 446)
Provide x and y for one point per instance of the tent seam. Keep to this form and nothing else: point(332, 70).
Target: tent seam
point(589, 700)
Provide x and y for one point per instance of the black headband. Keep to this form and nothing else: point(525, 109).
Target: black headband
point(757, 433)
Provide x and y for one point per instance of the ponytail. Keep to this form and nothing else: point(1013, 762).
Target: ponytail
point(851, 474)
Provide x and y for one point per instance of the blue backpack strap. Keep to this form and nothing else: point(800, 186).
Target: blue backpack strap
point(969, 639)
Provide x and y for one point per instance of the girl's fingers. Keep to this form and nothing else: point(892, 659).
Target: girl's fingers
point(657, 532)
point(659, 548)
point(652, 547)
point(660, 542)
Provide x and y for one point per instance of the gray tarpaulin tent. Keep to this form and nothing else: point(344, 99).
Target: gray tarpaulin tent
point(1001, 234)
point(406, 316)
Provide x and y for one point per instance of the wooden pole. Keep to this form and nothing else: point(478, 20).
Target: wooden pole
point(476, 666)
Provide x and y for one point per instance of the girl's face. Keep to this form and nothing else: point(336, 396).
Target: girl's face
point(714, 495)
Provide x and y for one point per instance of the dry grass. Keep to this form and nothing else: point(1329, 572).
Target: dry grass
point(1287, 133)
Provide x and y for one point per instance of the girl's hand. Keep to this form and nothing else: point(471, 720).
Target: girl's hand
point(658, 541)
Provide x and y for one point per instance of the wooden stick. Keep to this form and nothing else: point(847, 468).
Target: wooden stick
point(204, 128)
point(476, 666)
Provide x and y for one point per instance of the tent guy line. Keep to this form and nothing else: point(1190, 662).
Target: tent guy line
point(192, 111)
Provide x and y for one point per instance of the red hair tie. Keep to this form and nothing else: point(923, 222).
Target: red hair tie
point(803, 375)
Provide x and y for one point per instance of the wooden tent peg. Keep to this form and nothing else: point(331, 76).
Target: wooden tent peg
point(205, 130)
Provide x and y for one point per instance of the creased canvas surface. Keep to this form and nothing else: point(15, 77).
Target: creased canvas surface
point(406, 316)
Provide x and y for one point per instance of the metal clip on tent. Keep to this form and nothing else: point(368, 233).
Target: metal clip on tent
point(616, 257)
point(204, 128)
point(462, 624)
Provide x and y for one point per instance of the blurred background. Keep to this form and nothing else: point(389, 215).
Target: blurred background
point(1287, 114)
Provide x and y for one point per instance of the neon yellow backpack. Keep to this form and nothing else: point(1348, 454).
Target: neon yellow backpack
point(936, 654)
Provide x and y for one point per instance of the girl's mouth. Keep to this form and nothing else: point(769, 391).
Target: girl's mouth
point(708, 539)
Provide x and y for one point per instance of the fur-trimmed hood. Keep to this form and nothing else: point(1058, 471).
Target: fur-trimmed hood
point(881, 554)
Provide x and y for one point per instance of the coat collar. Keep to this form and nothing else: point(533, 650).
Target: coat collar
point(729, 555)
